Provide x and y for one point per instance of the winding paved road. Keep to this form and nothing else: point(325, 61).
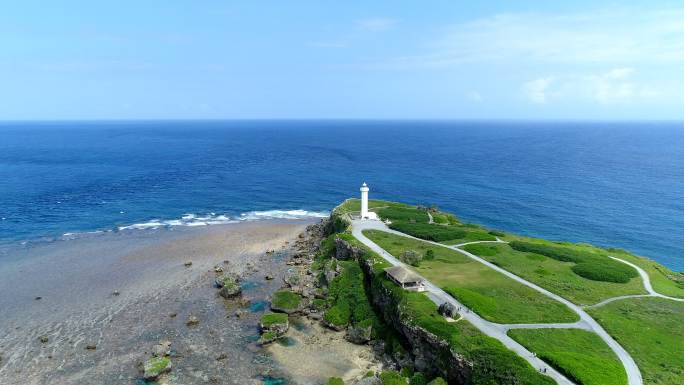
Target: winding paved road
point(498, 331)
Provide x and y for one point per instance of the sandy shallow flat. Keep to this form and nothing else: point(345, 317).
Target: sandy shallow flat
point(75, 280)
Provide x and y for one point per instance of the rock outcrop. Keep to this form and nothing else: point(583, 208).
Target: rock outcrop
point(229, 285)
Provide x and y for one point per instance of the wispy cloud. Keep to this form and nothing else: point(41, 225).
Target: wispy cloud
point(609, 36)
point(615, 86)
point(377, 24)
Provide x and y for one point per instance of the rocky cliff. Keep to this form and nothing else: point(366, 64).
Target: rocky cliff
point(429, 353)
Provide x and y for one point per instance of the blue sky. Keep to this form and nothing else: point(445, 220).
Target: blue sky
point(323, 59)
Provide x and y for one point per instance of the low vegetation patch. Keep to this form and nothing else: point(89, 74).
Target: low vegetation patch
point(348, 302)
point(430, 232)
point(271, 319)
point(588, 265)
point(404, 214)
point(652, 331)
point(580, 355)
point(285, 301)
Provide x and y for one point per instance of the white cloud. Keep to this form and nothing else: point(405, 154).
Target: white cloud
point(377, 24)
point(611, 37)
point(615, 86)
point(536, 90)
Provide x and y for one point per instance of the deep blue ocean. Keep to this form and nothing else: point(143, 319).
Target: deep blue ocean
point(612, 184)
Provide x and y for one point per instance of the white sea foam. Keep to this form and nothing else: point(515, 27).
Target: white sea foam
point(220, 219)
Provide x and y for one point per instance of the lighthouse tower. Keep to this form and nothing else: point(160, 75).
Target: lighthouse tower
point(364, 201)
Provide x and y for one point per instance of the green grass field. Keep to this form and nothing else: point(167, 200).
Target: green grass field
point(580, 355)
point(489, 293)
point(353, 205)
point(553, 275)
point(652, 331)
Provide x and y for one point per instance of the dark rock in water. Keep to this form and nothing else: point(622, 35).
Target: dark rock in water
point(156, 366)
point(229, 285)
point(91, 347)
point(173, 315)
point(162, 349)
point(268, 277)
point(221, 357)
point(317, 316)
point(43, 339)
point(116, 293)
point(38, 298)
point(188, 264)
point(192, 321)
point(359, 335)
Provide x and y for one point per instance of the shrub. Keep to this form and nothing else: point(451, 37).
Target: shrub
point(335, 381)
point(606, 272)
point(338, 315)
point(437, 381)
point(418, 379)
point(411, 257)
point(429, 255)
point(391, 377)
point(431, 232)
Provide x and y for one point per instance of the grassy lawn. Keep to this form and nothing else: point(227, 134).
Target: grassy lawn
point(491, 294)
point(353, 205)
point(553, 275)
point(581, 355)
point(652, 331)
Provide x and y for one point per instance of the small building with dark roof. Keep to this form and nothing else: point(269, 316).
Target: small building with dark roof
point(405, 278)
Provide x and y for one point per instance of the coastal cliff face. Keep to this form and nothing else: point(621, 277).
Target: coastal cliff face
point(429, 353)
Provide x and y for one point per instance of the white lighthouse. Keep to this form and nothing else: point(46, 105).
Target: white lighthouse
point(364, 201)
point(365, 214)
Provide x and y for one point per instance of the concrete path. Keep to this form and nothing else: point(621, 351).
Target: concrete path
point(647, 281)
point(475, 242)
point(633, 373)
point(439, 296)
point(430, 220)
